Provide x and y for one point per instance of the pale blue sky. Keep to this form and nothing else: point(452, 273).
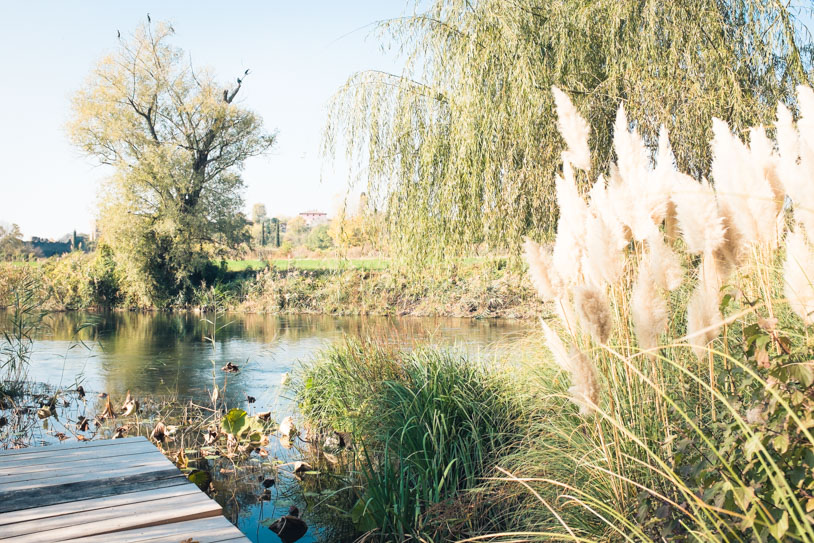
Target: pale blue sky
point(299, 54)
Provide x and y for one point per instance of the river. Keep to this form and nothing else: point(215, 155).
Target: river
point(175, 355)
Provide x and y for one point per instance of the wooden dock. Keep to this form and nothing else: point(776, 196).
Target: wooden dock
point(110, 491)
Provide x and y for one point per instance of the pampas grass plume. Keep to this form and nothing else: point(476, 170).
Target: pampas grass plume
point(665, 268)
point(569, 247)
point(584, 383)
point(743, 190)
point(648, 309)
point(798, 276)
point(699, 221)
point(543, 275)
point(593, 311)
point(574, 131)
point(703, 311)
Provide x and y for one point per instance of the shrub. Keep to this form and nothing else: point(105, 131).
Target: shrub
point(430, 425)
point(83, 280)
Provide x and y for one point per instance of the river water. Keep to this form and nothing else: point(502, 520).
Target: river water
point(175, 355)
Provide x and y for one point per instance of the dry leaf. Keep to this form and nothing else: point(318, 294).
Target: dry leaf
point(230, 368)
point(159, 432)
point(108, 411)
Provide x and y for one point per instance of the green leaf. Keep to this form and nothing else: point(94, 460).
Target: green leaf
point(200, 478)
point(362, 516)
point(725, 303)
point(781, 443)
point(744, 496)
point(234, 422)
point(802, 372)
point(779, 529)
point(752, 445)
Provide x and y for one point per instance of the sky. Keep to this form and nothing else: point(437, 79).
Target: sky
point(299, 54)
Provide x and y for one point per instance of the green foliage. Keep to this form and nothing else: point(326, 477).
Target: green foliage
point(84, 280)
point(234, 422)
point(177, 143)
point(16, 344)
point(481, 289)
point(319, 238)
point(462, 146)
point(431, 426)
point(11, 242)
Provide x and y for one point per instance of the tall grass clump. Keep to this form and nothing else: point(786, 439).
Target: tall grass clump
point(678, 404)
point(16, 343)
point(427, 427)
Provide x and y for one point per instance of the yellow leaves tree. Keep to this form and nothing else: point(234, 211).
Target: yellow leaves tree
point(177, 142)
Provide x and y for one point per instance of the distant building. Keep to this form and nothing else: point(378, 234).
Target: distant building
point(314, 218)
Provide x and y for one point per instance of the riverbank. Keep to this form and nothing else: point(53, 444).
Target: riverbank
point(486, 289)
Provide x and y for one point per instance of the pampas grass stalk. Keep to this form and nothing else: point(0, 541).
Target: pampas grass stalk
point(798, 276)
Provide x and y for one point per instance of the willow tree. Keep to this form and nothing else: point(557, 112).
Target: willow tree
point(461, 148)
point(177, 141)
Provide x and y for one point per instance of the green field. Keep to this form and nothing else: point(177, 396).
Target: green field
point(309, 264)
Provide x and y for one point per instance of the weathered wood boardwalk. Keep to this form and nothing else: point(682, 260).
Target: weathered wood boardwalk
point(108, 491)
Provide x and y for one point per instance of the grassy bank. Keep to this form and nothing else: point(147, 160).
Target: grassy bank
point(356, 287)
point(317, 264)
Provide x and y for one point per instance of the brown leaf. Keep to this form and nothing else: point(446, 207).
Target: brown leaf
point(181, 459)
point(768, 324)
point(82, 424)
point(108, 413)
point(159, 432)
point(211, 437)
point(230, 368)
point(120, 432)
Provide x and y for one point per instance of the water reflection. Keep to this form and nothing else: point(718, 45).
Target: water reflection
point(168, 353)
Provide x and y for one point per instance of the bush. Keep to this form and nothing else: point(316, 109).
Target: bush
point(84, 280)
point(430, 425)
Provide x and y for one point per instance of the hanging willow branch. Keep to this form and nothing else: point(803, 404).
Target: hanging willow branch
point(461, 148)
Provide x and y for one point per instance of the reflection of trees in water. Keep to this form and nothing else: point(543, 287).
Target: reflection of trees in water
point(167, 354)
point(159, 328)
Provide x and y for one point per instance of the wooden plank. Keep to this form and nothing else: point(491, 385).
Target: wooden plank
point(104, 491)
point(212, 530)
point(42, 496)
point(67, 457)
point(49, 469)
point(100, 521)
point(70, 445)
point(102, 473)
point(25, 515)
